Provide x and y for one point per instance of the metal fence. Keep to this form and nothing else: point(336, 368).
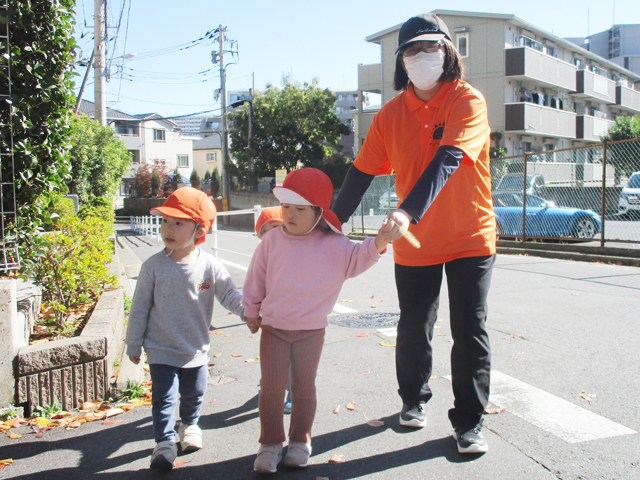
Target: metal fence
point(589, 193)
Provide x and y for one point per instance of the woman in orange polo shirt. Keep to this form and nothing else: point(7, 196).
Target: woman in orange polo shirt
point(435, 136)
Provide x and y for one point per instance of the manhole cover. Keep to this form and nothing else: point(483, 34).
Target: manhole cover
point(360, 320)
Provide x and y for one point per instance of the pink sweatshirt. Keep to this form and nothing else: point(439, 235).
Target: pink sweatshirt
point(294, 281)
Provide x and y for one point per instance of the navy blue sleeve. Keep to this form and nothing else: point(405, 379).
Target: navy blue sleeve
point(353, 189)
point(424, 192)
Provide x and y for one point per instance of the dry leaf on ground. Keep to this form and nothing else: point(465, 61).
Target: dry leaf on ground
point(364, 335)
point(250, 360)
point(228, 335)
point(588, 396)
point(111, 422)
point(336, 459)
point(433, 377)
point(40, 422)
point(218, 332)
point(217, 354)
point(5, 462)
point(375, 423)
point(213, 400)
point(384, 343)
point(346, 300)
point(336, 410)
point(366, 372)
point(493, 410)
point(236, 355)
point(14, 436)
point(351, 406)
point(114, 411)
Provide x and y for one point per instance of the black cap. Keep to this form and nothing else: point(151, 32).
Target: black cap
point(426, 27)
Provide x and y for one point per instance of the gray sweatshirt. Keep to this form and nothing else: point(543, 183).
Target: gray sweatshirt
point(172, 309)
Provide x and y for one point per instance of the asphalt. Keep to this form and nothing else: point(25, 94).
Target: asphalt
point(568, 329)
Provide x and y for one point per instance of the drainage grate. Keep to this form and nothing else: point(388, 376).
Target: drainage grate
point(360, 320)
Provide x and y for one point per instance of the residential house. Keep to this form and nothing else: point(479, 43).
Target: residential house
point(543, 91)
point(151, 139)
point(207, 155)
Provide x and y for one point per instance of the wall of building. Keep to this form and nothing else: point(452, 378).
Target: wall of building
point(201, 165)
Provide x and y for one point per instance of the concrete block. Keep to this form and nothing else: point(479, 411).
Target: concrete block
point(22, 390)
point(56, 386)
point(78, 384)
point(33, 393)
point(44, 380)
point(61, 353)
point(67, 388)
point(8, 319)
point(89, 382)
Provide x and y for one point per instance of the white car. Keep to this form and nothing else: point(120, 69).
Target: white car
point(629, 201)
point(389, 200)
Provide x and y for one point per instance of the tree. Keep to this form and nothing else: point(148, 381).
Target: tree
point(207, 177)
point(293, 127)
point(156, 182)
point(194, 179)
point(215, 186)
point(98, 160)
point(143, 182)
point(625, 157)
point(42, 52)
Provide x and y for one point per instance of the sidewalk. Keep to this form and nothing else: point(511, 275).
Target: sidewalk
point(358, 369)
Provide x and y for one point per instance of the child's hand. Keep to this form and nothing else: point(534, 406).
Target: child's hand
point(135, 360)
point(253, 323)
point(385, 235)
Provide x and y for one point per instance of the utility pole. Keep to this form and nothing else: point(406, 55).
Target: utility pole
point(223, 102)
point(99, 63)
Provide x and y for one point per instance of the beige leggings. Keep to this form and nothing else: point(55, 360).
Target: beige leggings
point(278, 349)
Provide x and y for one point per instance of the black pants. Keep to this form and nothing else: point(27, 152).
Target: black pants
point(468, 281)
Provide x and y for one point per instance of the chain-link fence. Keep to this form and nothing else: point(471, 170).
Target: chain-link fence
point(578, 194)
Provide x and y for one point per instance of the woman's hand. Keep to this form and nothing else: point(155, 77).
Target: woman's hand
point(135, 360)
point(399, 220)
point(253, 323)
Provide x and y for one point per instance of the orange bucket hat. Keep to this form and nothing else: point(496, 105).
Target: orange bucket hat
point(309, 186)
point(188, 202)
point(268, 214)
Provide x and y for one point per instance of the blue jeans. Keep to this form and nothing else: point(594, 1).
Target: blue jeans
point(167, 382)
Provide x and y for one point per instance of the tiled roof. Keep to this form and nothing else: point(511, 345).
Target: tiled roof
point(208, 143)
point(88, 108)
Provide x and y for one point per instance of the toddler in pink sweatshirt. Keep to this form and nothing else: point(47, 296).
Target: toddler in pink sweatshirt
point(293, 282)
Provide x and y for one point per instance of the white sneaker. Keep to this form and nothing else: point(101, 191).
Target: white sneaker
point(190, 437)
point(268, 458)
point(164, 455)
point(298, 454)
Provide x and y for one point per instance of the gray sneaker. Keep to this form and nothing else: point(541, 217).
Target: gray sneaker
point(413, 416)
point(164, 455)
point(470, 441)
point(268, 458)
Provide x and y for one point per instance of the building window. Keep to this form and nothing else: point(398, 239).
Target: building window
point(350, 98)
point(463, 44)
point(212, 156)
point(183, 161)
point(626, 63)
point(551, 51)
point(158, 135)
point(339, 98)
point(135, 156)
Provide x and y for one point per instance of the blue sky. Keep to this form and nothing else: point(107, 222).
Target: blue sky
point(297, 38)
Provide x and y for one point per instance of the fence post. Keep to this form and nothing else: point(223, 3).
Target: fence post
point(603, 199)
point(256, 213)
point(8, 324)
point(524, 197)
point(215, 236)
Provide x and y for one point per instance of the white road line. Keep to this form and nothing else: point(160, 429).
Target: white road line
point(389, 332)
point(235, 265)
point(570, 422)
point(342, 309)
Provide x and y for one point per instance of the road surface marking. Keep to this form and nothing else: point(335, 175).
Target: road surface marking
point(389, 332)
point(571, 423)
point(342, 309)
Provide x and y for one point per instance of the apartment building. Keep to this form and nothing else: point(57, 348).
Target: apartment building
point(543, 92)
point(620, 44)
point(346, 107)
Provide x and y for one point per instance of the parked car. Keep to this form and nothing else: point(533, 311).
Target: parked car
point(629, 201)
point(543, 218)
point(513, 182)
point(389, 200)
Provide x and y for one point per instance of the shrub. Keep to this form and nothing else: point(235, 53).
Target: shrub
point(195, 179)
point(99, 207)
point(59, 208)
point(71, 265)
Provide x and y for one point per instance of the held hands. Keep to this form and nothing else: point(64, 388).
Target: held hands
point(392, 228)
point(253, 323)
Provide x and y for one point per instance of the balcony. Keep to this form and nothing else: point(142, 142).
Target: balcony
point(538, 120)
point(591, 85)
point(524, 63)
point(370, 77)
point(628, 99)
point(591, 128)
point(131, 141)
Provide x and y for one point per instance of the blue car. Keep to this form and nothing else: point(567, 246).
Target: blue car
point(543, 218)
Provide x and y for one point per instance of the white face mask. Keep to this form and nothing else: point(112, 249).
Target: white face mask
point(424, 69)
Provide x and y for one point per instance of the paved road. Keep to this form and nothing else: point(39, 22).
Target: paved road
point(565, 358)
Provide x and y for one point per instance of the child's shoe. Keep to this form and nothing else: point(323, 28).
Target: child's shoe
point(297, 455)
point(190, 437)
point(268, 458)
point(164, 455)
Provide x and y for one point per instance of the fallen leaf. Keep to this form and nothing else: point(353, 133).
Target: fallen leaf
point(111, 422)
point(351, 406)
point(14, 436)
point(364, 335)
point(588, 396)
point(366, 372)
point(336, 410)
point(145, 368)
point(117, 373)
point(250, 336)
point(492, 410)
point(257, 358)
point(4, 463)
point(218, 332)
point(75, 424)
point(515, 335)
point(433, 377)
point(147, 402)
point(236, 355)
point(60, 415)
point(228, 335)
point(88, 406)
point(114, 411)
point(375, 423)
point(179, 463)
point(40, 421)
point(384, 343)
point(336, 459)
point(437, 326)
point(213, 400)
point(374, 306)
point(250, 360)
point(212, 364)
point(217, 354)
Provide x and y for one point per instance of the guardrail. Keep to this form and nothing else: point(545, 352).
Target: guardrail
point(149, 225)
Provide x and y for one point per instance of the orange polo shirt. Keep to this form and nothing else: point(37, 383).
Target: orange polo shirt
point(404, 137)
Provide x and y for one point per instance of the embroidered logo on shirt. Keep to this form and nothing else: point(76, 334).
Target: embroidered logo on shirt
point(438, 131)
point(206, 285)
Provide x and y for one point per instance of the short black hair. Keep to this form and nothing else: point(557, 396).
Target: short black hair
point(453, 68)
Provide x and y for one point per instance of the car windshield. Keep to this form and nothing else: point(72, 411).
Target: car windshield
point(634, 181)
point(515, 200)
point(510, 183)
